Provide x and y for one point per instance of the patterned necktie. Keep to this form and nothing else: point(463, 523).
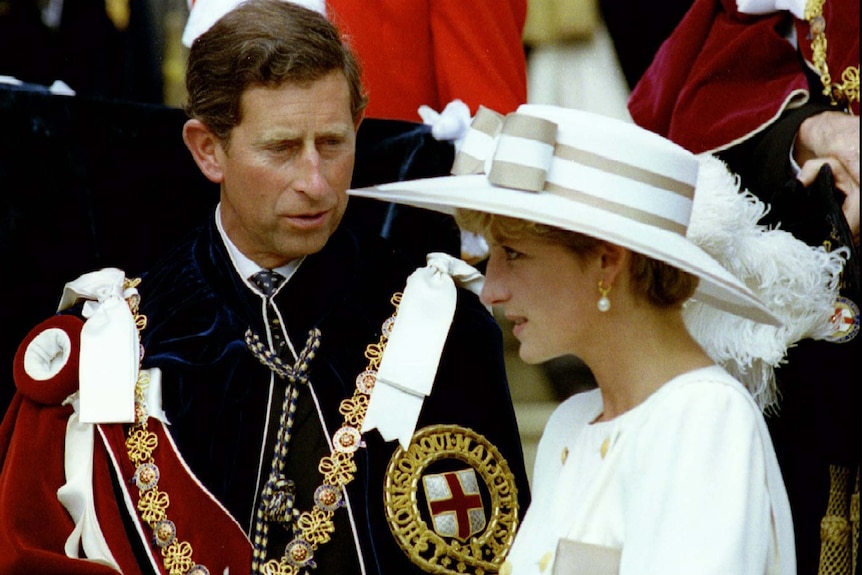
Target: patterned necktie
point(268, 282)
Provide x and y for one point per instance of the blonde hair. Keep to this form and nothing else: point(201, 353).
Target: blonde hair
point(659, 283)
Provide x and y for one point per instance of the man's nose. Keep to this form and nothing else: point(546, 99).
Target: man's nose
point(310, 179)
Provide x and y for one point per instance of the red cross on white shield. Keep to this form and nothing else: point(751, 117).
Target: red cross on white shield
point(455, 503)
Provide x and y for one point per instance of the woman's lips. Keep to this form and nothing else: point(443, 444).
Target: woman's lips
point(518, 325)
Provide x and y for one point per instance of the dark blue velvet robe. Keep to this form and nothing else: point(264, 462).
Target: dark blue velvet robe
point(216, 394)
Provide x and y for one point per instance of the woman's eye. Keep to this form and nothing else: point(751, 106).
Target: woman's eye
point(511, 254)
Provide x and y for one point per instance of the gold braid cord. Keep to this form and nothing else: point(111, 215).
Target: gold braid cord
point(837, 551)
point(314, 528)
point(854, 519)
point(848, 90)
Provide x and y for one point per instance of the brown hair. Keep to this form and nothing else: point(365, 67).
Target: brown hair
point(264, 43)
point(661, 284)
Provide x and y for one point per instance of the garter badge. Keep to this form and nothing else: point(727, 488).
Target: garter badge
point(451, 501)
point(844, 321)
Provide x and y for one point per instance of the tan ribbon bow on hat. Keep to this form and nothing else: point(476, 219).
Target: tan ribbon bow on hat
point(515, 151)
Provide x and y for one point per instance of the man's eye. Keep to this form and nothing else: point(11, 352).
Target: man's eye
point(282, 147)
point(330, 145)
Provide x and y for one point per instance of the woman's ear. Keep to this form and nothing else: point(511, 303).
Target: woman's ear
point(614, 259)
point(204, 145)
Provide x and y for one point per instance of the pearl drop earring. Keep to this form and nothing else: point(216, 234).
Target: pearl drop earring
point(604, 303)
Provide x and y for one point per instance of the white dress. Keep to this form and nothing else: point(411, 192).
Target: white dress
point(688, 484)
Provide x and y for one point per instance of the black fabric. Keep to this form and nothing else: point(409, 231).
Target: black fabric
point(813, 214)
point(91, 182)
point(818, 422)
point(86, 183)
point(638, 29)
point(393, 151)
point(763, 160)
point(215, 391)
point(84, 48)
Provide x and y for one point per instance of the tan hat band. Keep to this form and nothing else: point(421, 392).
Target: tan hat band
point(618, 209)
point(522, 152)
point(622, 169)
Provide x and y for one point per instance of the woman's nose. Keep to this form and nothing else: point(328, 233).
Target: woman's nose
point(493, 290)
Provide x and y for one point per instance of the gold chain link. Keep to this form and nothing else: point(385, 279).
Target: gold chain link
point(848, 90)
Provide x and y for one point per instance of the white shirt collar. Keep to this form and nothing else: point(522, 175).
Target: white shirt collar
point(244, 266)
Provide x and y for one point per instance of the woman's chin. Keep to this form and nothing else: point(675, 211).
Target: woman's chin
point(532, 356)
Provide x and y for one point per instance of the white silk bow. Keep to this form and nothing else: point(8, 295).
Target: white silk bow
point(109, 354)
point(412, 355)
point(108, 370)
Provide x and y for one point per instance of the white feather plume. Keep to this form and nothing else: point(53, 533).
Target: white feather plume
point(799, 283)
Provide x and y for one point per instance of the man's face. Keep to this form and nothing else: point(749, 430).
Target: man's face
point(287, 168)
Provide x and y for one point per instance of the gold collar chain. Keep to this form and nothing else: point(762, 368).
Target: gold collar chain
point(312, 528)
point(848, 90)
point(153, 503)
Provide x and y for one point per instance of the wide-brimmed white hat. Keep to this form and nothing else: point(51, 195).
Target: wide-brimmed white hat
point(587, 173)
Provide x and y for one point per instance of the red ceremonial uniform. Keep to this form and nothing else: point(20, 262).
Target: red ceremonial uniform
point(434, 51)
point(723, 76)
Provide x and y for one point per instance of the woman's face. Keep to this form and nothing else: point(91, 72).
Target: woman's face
point(547, 292)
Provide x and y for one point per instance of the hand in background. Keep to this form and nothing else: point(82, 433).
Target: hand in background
point(832, 138)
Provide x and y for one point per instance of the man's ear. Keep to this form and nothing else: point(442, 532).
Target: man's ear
point(204, 145)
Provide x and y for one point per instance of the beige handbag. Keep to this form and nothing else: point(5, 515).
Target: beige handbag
point(576, 558)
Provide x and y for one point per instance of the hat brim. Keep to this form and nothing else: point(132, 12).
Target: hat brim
point(717, 287)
